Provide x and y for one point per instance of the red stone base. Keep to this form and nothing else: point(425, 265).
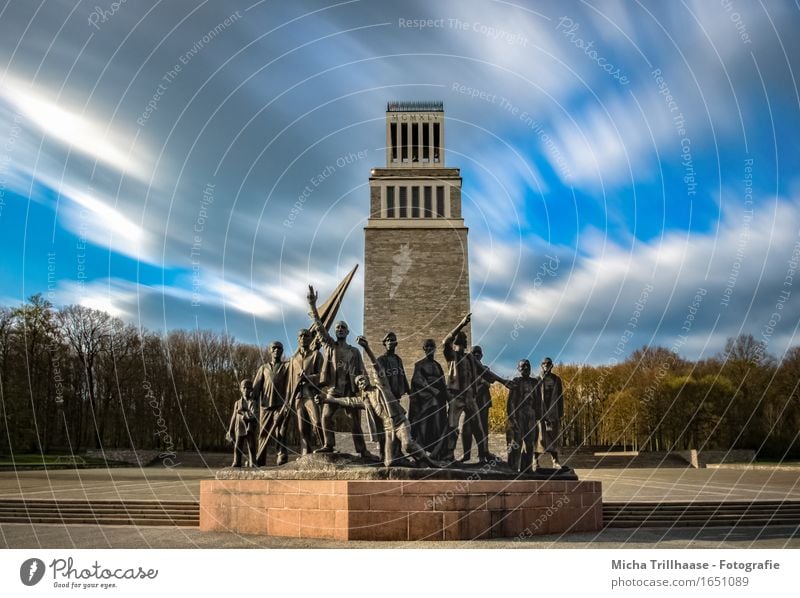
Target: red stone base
point(400, 510)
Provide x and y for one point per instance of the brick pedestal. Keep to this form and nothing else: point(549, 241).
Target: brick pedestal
point(400, 510)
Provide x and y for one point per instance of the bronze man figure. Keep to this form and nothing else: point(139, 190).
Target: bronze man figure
point(427, 409)
point(304, 374)
point(341, 365)
point(483, 397)
point(386, 407)
point(269, 393)
point(523, 412)
point(462, 374)
point(551, 397)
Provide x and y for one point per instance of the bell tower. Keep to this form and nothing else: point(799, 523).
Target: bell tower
point(416, 274)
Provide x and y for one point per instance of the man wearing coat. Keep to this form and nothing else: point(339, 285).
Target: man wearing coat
point(269, 393)
point(304, 381)
point(427, 410)
point(551, 397)
point(523, 412)
point(483, 397)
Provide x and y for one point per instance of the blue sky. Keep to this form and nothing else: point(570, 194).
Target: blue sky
point(620, 161)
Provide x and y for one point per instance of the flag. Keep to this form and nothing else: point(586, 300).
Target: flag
point(329, 309)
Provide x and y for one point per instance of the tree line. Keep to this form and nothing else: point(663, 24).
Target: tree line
point(77, 378)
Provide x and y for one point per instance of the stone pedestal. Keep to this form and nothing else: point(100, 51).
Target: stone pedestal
point(402, 510)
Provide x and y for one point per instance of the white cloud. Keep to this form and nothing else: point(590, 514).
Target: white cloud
point(71, 127)
point(597, 299)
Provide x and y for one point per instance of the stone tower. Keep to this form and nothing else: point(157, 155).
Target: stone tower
point(416, 274)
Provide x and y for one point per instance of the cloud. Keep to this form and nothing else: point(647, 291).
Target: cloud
point(645, 294)
point(56, 120)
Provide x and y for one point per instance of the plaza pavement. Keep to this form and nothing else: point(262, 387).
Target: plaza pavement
point(159, 483)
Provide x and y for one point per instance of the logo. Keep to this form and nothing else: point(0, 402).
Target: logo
point(31, 572)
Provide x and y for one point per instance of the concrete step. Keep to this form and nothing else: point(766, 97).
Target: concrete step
point(702, 514)
point(103, 512)
point(104, 521)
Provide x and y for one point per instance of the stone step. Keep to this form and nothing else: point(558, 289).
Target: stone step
point(103, 512)
point(702, 523)
point(104, 521)
point(702, 514)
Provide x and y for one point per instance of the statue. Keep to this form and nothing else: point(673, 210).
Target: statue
point(304, 373)
point(269, 392)
point(523, 413)
point(341, 365)
point(427, 409)
point(395, 377)
point(384, 406)
point(551, 398)
point(462, 376)
point(242, 429)
point(483, 398)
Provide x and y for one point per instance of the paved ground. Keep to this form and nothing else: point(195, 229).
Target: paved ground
point(92, 536)
point(153, 483)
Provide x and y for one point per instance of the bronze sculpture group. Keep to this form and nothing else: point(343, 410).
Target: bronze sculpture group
point(327, 374)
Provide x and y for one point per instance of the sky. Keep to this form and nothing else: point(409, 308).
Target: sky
point(630, 169)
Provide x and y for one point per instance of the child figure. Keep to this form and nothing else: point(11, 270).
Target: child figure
point(243, 427)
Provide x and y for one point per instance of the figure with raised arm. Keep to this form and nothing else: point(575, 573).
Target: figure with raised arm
point(462, 377)
point(386, 407)
point(341, 365)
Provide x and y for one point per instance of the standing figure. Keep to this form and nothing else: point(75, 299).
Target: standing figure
point(392, 367)
point(523, 412)
point(551, 395)
point(341, 364)
point(462, 375)
point(269, 393)
point(304, 372)
point(242, 429)
point(395, 377)
point(382, 403)
point(427, 410)
point(483, 398)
